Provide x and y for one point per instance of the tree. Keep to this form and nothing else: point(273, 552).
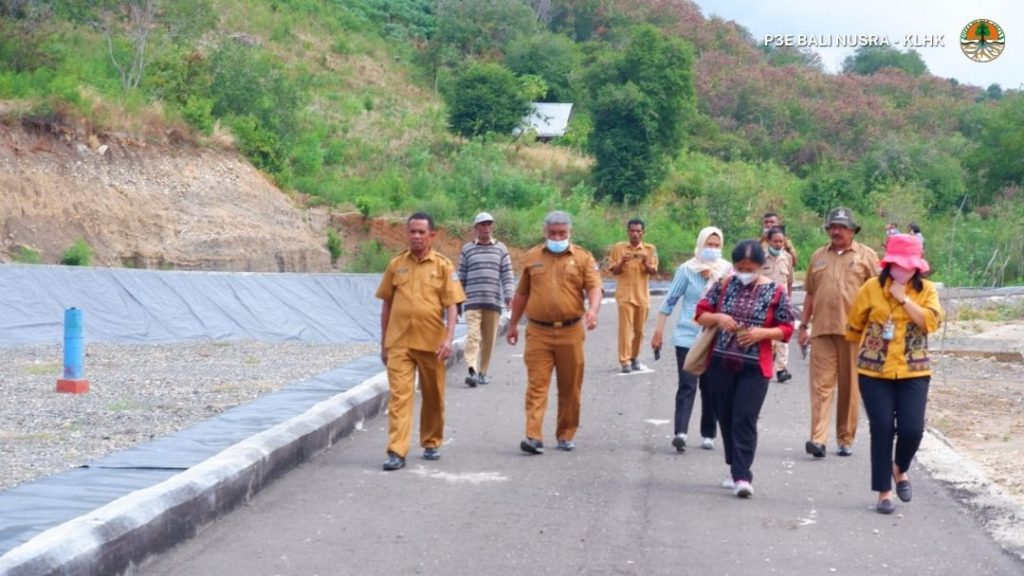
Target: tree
point(139, 18)
point(553, 57)
point(653, 74)
point(486, 98)
point(868, 60)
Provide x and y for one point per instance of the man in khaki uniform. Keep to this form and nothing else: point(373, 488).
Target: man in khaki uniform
point(555, 277)
point(771, 220)
point(835, 274)
point(632, 263)
point(418, 287)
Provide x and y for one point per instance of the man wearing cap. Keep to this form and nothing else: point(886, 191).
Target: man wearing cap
point(835, 274)
point(556, 276)
point(419, 286)
point(632, 263)
point(485, 271)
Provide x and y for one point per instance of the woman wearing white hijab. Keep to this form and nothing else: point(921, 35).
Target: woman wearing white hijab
point(691, 281)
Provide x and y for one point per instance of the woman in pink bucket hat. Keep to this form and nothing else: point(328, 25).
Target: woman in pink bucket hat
point(891, 318)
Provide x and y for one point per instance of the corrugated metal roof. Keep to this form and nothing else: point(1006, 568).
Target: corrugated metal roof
point(549, 119)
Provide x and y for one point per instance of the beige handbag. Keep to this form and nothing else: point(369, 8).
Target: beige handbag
point(699, 355)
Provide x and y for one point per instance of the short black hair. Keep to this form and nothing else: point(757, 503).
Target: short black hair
point(776, 230)
point(769, 215)
point(636, 221)
point(915, 228)
point(422, 216)
point(748, 250)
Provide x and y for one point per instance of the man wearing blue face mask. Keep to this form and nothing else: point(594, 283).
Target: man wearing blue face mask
point(556, 277)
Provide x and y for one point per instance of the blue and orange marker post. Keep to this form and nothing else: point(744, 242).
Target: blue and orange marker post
point(74, 353)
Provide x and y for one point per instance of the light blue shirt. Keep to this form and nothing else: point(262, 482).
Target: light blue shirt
point(688, 286)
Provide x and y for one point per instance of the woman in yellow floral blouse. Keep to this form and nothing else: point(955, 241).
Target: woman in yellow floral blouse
point(891, 319)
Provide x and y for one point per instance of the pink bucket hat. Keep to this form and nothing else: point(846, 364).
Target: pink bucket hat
point(905, 250)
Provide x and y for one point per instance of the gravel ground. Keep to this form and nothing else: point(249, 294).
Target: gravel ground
point(137, 393)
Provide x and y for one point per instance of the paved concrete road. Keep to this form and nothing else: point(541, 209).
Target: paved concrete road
point(623, 503)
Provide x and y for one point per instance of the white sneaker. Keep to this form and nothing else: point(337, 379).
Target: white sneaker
point(707, 443)
point(743, 489)
point(728, 484)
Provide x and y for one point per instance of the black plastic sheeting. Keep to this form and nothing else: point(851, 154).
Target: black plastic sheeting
point(32, 508)
point(149, 306)
point(146, 306)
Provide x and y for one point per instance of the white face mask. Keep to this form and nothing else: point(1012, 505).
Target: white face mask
point(746, 277)
point(901, 275)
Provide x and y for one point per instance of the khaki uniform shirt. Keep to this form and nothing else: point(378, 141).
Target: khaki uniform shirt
point(555, 284)
point(779, 269)
point(419, 291)
point(833, 279)
point(632, 278)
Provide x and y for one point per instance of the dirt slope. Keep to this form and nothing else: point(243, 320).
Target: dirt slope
point(148, 206)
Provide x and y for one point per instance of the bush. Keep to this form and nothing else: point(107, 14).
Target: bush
point(78, 254)
point(26, 255)
point(370, 257)
point(333, 244)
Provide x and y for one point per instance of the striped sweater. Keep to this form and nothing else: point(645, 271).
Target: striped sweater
point(485, 271)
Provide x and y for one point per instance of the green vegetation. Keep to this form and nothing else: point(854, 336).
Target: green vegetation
point(78, 254)
point(342, 100)
point(26, 255)
point(333, 244)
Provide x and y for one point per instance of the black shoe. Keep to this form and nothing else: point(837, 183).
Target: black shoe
point(845, 450)
point(783, 375)
point(679, 441)
point(566, 445)
point(431, 453)
point(885, 506)
point(394, 462)
point(904, 491)
point(472, 379)
point(626, 369)
point(815, 449)
point(635, 365)
point(531, 446)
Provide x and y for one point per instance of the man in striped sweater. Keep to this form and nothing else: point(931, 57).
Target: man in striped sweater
point(485, 270)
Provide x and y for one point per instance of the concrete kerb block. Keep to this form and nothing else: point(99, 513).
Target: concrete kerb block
point(115, 537)
point(990, 504)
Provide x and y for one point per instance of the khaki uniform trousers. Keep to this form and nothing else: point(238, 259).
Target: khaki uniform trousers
point(832, 368)
point(632, 318)
point(561, 350)
point(481, 333)
point(403, 366)
point(781, 350)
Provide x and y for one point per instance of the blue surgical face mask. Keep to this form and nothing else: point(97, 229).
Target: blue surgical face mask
point(558, 246)
point(774, 251)
point(709, 254)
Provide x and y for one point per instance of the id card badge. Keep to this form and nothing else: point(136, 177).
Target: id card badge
point(888, 330)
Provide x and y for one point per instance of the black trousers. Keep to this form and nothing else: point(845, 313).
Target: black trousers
point(738, 394)
point(686, 394)
point(895, 409)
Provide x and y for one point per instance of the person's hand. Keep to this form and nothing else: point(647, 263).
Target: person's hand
point(590, 320)
point(384, 355)
point(512, 336)
point(444, 351)
point(726, 322)
point(804, 337)
point(898, 291)
point(656, 339)
point(751, 336)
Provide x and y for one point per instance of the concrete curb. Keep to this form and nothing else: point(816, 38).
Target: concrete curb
point(120, 535)
point(990, 504)
point(115, 537)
